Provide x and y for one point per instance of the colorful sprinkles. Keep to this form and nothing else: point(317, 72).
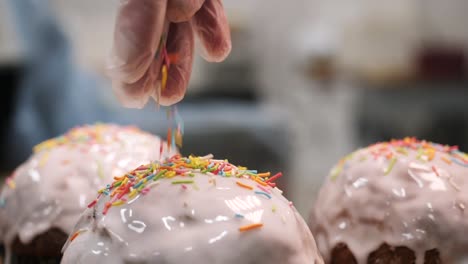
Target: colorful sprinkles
point(395, 149)
point(92, 134)
point(139, 181)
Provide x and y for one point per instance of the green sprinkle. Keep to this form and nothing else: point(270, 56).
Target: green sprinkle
point(336, 172)
point(159, 175)
point(100, 170)
point(191, 175)
point(402, 151)
point(390, 166)
point(183, 182)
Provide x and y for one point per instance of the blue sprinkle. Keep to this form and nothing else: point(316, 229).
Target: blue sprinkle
point(150, 177)
point(239, 216)
point(2, 202)
point(138, 184)
point(457, 161)
point(263, 193)
point(252, 171)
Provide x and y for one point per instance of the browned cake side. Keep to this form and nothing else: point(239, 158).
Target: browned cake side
point(385, 254)
point(48, 244)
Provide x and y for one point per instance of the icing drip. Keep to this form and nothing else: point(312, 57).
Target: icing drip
point(54, 186)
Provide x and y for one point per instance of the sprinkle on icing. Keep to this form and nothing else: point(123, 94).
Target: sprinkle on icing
point(250, 227)
point(140, 180)
point(391, 151)
point(84, 135)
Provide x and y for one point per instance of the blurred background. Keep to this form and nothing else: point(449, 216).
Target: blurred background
point(307, 81)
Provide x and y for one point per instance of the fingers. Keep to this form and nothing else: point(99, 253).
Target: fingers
point(182, 10)
point(212, 28)
point(137, 33)
point(136, 95)
point(180, 42)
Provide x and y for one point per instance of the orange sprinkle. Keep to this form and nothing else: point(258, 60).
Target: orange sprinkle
point(446, 160)
point(260, 181)
point(250, 227)
point(389, 155)
point(169, 137)
point(77, 233)
point(244, 185)
point(430, 153)
point(263, 175)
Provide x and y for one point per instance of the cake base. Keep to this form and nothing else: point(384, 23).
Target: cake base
point(385, 254)
point(43, 249)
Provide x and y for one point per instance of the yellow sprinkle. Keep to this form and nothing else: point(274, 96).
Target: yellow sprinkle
point(125, 181)
point(163, 77)
point(119, 202)
point(430, 153)
point(11, 184)
point(132, 193)
point(170, 174)
point(273, 209)
point(44, 159)
point(263, 175)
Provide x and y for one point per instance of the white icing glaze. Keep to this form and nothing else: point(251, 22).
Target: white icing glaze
point(419, 202)
point(55, 184)
point(172, 224)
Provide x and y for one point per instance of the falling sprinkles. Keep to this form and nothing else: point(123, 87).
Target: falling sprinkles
point(139, 181)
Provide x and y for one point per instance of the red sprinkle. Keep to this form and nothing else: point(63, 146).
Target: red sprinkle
point(274, 177)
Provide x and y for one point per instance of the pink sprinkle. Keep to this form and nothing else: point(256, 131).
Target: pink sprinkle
point(263, 189)
point(145, 190)
point(184, 187)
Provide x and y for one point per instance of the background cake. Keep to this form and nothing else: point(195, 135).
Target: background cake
point(402, 201)
point(191, 210)
point(44, 197)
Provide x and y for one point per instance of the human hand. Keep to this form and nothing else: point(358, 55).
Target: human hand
point(152, 55)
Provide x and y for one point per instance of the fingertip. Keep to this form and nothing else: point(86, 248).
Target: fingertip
point(127, 99)
point(217, 55)
point(212, 29)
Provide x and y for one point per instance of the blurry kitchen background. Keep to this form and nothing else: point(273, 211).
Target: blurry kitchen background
point(307, 81)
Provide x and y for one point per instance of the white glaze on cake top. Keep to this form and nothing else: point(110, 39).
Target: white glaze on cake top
point(53, 187)
point(191, 210)
point(404, 193)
